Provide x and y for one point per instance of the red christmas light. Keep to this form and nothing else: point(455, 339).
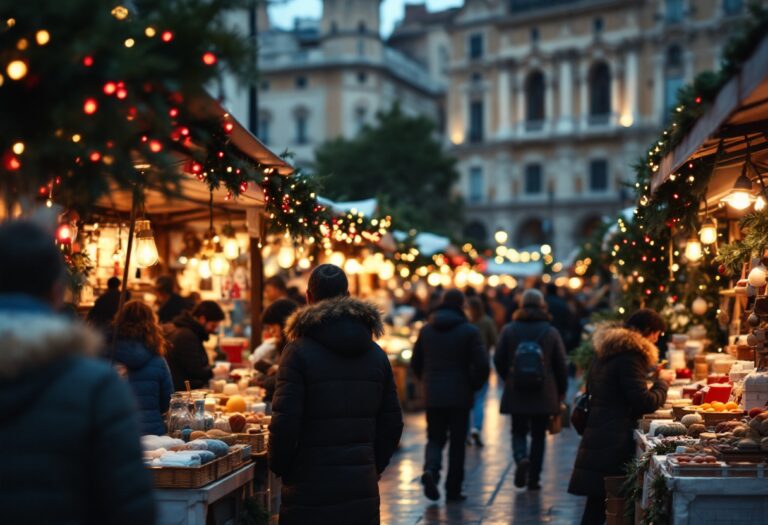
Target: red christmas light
point(184, 131)
point(110, 88)
point(167, 36)
point(95, 156)
point(90, 106)
point(11, 162)
point(698, 100)
point(228, 127)
point(173, 112)
point(243, 187)
point(220, 154)
point(122, 93)
point(155, 146)
point(64, 234)
point(209, 58)
point(196, 168)
point(88, 61)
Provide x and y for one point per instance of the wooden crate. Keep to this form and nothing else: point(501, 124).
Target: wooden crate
point(185, 477)
point(258, 442)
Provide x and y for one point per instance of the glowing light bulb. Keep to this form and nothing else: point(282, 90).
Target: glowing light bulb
point(146, 249)
point(286, 257)
point(501, 237)
point(16, 70)
point(739, 200)
point(204, 269)
point(693, 251)
point(231, 248)
point(219, 264)
point(386, 270)
point(708, 232)
point(760, 204)
point(42, 37)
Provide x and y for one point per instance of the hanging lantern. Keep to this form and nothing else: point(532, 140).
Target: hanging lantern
point(146, 250)
point(231, 248)
point(740, 197)
point(693, 251)
point(204, 269)
point(286, 257)
point(708, 232)
point(219, 264)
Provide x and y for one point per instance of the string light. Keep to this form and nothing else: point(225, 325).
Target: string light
point(17, 69)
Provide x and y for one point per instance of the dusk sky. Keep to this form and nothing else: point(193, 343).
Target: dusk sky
point(391, 11)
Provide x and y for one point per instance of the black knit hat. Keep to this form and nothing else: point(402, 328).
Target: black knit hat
point(278, 312)
point(328, 281)
point(453, 298)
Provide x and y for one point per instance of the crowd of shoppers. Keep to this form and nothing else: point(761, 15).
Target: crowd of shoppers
point(336, 419)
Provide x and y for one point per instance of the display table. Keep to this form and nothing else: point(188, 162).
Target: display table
point(222, 499)
point(715, 501)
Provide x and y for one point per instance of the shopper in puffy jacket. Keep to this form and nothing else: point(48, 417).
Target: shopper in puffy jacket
point(336, 419)
point(619, 396)
point(531, 407)
point(449, 357)
point(68, 428)
point(140, 347)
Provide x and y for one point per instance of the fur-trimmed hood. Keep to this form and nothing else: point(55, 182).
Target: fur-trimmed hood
point(344, 324)
point(32, 337)
point(611, 340)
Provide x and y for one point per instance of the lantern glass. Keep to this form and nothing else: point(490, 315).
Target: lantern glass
point(219, 264)
point(708, 232)
point(739, 199)
point(286, 257)
point(693, 251)
point(146, 249)
point(231, 248)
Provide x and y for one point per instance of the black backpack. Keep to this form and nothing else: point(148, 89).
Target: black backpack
point(528, 366)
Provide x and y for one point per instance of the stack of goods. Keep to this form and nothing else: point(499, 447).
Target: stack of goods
point(755, 389)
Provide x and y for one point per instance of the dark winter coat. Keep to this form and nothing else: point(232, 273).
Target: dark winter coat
point(150, 381)
point(336, 419)
point(186, 356)
point(449, 357)
point(68, 428)
point(528, 325)
point(104, 309)
point(620, 395)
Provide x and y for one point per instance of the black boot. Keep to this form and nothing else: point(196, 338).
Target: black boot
point(521, 473)
point(428, 479)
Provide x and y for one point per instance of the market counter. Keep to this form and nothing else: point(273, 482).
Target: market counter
point(222, 499)
point(715, 501)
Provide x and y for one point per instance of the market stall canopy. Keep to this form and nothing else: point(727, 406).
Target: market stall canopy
point(529, 269)
point(367, 207)
point(192, 197)
point(427, 243)
point(738, 118)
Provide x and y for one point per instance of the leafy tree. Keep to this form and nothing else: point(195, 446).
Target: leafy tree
point(401, 162)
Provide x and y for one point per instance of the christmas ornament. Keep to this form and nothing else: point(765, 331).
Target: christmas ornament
point(752, 340)
point(757, 277)
point(753, 320)
point(699, 306)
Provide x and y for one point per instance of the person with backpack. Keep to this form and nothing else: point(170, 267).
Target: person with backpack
point(530, 359)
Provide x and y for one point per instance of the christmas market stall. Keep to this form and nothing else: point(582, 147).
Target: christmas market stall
point(696, 249)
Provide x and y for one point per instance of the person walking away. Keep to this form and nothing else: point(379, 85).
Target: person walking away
point(449, 357)
point(619, 396)
point(266, 357)
point(487, 328)
point(336, 419)
point(105, 308)
point(530, 359)
point(186, 356)
point(67, 422)
point(140, 347)
point(171, 304)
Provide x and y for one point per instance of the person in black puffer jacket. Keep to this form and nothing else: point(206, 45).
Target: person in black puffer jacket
point(68, 427)
point(531, 409)
point(619, 396)
point(336, 419)
point(449, 357)
point(140, 347)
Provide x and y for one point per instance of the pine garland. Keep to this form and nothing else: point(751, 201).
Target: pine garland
point(753, 244)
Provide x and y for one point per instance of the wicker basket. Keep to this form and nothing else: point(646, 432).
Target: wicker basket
point(185, 477)
point(711, 419)
point(257, 441)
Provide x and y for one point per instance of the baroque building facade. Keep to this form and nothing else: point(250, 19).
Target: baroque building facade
point(551, 103)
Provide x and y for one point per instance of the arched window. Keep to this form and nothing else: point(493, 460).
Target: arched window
point(531, 233)
point(534, 95)
point(361, 114)
point(674, 78)
point(600, 92)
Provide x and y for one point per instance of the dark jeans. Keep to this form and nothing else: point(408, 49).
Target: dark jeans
point(594, 511)
point(442, 422)
point(536, 426)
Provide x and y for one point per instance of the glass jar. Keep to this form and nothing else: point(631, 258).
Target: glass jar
point(179, 417)
point(202, 420)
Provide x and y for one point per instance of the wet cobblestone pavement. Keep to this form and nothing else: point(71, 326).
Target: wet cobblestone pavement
point(492, 499)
